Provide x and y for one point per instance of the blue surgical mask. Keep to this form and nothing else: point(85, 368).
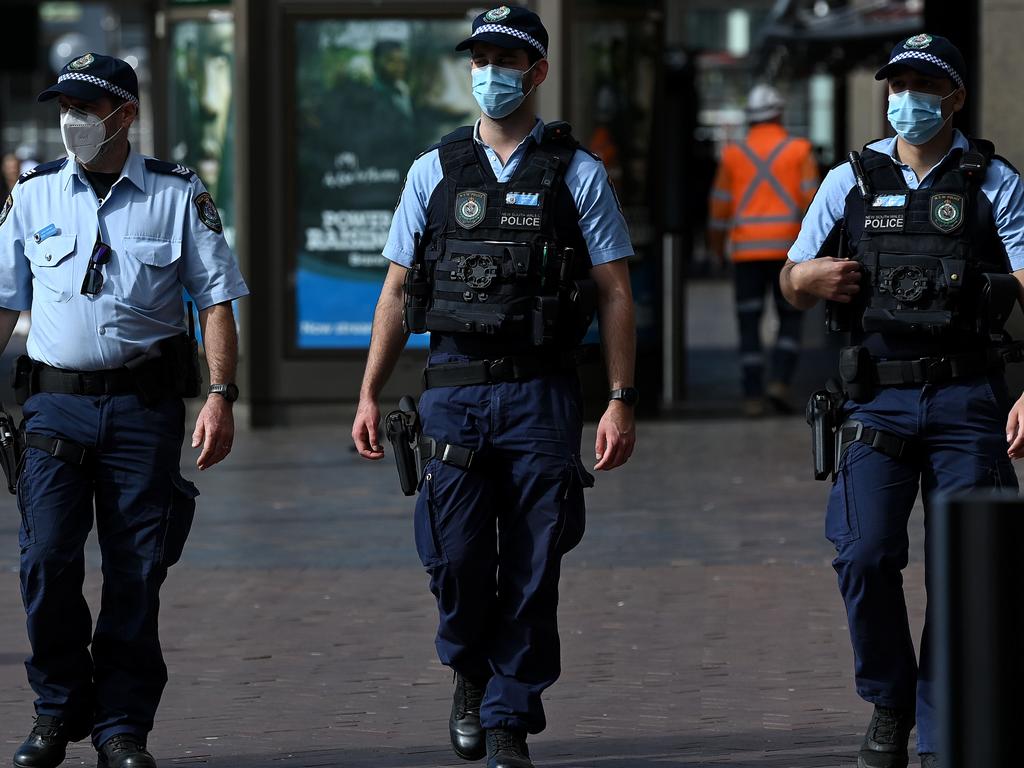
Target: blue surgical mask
point(499, 90)
point(917, 117)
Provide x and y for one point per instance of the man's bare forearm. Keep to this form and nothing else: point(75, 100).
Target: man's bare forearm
point(616, 316)
point(386, 343)
point(799, 299)
point(8, 319)
point(220, 340)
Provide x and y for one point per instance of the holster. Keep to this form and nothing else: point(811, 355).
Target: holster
point(402, 427)
point(857, 371)
point(21, 379)
point(823, 412)
point(11, 449)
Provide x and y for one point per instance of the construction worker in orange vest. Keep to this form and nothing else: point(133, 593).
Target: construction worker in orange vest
point(764, 185)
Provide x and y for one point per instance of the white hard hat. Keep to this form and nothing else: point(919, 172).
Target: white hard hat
point(764, 103)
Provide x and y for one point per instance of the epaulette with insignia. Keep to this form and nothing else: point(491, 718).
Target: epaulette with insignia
point(41, 170)
point(172, 169)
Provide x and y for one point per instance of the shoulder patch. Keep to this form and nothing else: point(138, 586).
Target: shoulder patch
point(42, 170)
point(8, 204)
point(171, 169)
point(208, 213)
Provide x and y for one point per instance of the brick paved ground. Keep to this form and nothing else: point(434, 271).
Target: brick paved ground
point(700, 620)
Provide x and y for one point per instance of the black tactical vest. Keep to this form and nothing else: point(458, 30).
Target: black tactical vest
point(924, 256)
point(502, 268)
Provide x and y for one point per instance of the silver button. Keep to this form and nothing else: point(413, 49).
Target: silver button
point(101, 330)
point(49, 256)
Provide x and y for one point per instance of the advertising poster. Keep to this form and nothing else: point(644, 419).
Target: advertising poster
point(370, 96)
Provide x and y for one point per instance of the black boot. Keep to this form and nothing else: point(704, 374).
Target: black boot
point(46, 746)
point(930, 760)
point(464, 724)
point(125, 751)
point(885, 743)
point(507, 749)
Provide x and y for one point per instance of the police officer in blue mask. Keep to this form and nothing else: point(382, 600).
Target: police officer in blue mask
point(507, 239)
point(99, 245)
point(917, 244)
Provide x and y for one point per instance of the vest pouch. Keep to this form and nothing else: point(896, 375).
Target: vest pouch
point(857, 371)
point(999, 296)
point(581, 305)
point(545, 320)
point(417, 298)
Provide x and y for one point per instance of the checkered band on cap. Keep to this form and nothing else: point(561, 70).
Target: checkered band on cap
point(104, 84)
point(931, 58)
point(502, 29)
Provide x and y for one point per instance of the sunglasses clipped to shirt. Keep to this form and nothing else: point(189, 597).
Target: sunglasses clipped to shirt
point(93, 282)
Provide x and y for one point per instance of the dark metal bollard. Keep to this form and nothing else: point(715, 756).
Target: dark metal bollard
point(976, 586)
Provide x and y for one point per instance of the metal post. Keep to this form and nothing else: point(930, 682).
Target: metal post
point(975, 588)
point(672, 341)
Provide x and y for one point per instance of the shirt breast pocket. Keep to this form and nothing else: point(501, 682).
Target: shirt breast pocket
point(52, 267)
point(148, 276)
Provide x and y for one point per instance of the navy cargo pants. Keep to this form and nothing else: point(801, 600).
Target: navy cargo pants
point(143, 510)
point(959, 429)
point(492, 536)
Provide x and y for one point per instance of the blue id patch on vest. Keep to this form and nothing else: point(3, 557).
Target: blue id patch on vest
point(889, 201)
point(527, 199)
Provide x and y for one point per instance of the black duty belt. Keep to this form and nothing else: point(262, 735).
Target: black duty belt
point(935, 370)
point(504, 369)
point(117, 381)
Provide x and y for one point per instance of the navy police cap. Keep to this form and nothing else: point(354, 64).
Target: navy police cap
point(928, 54)
point(93, 76)
point(509, 26)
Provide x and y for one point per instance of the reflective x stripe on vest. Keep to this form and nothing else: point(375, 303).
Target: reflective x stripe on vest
point(758, 235)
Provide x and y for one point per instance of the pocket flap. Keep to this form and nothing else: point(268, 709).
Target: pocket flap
point(51, 251)
point(183, 486)
point(153, 252)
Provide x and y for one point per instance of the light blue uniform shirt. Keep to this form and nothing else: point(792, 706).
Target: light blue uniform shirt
point(158, 243)
point(601, 221)
point(1002, 186)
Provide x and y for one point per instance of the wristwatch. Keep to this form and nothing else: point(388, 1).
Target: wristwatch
point(628, 395)
point(228, 391)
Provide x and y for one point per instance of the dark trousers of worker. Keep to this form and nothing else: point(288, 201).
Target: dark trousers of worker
point(492, 536)
point(753, 281)
point(143, 511)
point(959, 429)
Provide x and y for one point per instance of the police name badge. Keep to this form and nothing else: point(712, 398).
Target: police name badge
point(947, 212)
point(82, 62)
point(917, 42)
point(470, 207)
point(8, 204)
point(884, 221)
point(497, 14)
point(208, 213)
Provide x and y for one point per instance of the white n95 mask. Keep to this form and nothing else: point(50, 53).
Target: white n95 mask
point(83, 133)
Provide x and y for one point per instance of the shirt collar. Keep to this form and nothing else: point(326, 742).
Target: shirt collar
point(888, 146)
point(133, 170)
point(536, 133)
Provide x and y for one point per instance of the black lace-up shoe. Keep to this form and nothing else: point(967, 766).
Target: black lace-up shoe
point(885, 743)
point(930, 760)
point(124, 751)
point(46, 746)
point(464, 724)
point(507, 749)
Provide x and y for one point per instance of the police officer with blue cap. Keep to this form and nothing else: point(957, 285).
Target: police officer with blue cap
point(506, 241)
point(917, 245)
point(99, 246)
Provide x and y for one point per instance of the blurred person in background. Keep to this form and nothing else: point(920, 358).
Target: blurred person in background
point(763, 186)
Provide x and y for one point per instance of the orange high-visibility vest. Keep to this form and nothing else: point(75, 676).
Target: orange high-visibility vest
point(763, 187)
